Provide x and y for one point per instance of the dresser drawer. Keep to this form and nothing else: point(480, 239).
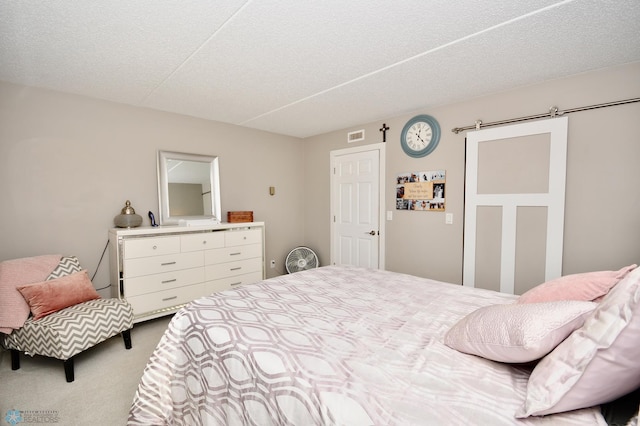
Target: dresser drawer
point(144, 247)
point(230, 269)
point(158, 282)
point(231, 282)
point(165, 299)
point(201, 241)
point(161, 264)
point(229, 254)
point(239, 238)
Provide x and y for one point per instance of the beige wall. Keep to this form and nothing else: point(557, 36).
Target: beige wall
point(602, 226)
point(69, 163)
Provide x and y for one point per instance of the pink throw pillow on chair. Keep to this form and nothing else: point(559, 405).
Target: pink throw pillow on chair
point(51, 296)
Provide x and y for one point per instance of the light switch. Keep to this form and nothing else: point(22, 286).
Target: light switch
point(448, 218)
point(389, 215)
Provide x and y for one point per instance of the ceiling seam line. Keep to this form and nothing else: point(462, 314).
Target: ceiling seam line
point(419, 55)
point(198, 49)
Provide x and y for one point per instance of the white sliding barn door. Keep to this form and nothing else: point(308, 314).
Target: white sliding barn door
point(514, 205)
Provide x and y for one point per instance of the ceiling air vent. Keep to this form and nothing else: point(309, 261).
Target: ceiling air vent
point(356, 136)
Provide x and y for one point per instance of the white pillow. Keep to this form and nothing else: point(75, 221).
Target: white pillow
point(517, 332)
point(597, 363)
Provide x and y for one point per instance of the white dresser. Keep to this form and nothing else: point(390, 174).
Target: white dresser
point(158, 270)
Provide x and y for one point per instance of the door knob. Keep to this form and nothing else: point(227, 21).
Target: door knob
point(371, 232)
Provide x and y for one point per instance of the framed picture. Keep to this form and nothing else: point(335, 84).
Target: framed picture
point(421, 191)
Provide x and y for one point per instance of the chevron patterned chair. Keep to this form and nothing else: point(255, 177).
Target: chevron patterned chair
point(71, 330)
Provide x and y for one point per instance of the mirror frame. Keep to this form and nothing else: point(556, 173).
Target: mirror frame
point(163, 187)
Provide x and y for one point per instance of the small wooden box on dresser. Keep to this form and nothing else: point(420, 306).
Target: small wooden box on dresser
point(160, 269)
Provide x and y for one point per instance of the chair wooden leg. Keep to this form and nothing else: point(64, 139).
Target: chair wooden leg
point(15, 359)
point(126, 336)
point(68, 370)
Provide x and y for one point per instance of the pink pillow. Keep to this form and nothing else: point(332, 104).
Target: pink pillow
point(14, 310)
point(597, 363)
point(586, 286)
point(50, 296)
point(517, 333)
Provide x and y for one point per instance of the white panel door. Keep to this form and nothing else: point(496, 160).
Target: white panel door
point(551, 200)
point(355, 207)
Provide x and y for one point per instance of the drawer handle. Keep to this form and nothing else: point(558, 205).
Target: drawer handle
point(238, 283)
point(169, 298)
point(236, 269)
point(155, 247)
point(204, 242)
point(235, 254)
point(167, 263)
point(169, 281)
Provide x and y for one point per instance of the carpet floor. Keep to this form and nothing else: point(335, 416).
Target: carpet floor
point(106, 379)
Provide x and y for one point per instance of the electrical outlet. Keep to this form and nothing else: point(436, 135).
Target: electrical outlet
point(273, 264)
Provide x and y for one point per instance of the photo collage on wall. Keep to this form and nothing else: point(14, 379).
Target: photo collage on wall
point(423, 191)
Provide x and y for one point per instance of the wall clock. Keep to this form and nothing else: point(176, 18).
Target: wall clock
point(420, 136)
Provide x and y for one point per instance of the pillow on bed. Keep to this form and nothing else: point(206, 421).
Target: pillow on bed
point(517, 333)
point(597, 363)
point(51, 296)
point(586, 286)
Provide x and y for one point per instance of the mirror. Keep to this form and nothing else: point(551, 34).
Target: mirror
point(188, 188)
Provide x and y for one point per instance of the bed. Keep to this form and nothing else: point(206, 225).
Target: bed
point(351, 346)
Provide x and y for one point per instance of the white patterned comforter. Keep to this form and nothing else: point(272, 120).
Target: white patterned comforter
point(331, 346)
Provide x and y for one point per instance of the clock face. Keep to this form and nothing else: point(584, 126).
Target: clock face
point(420, 136)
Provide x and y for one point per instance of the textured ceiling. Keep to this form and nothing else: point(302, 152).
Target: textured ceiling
point(303, 68)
